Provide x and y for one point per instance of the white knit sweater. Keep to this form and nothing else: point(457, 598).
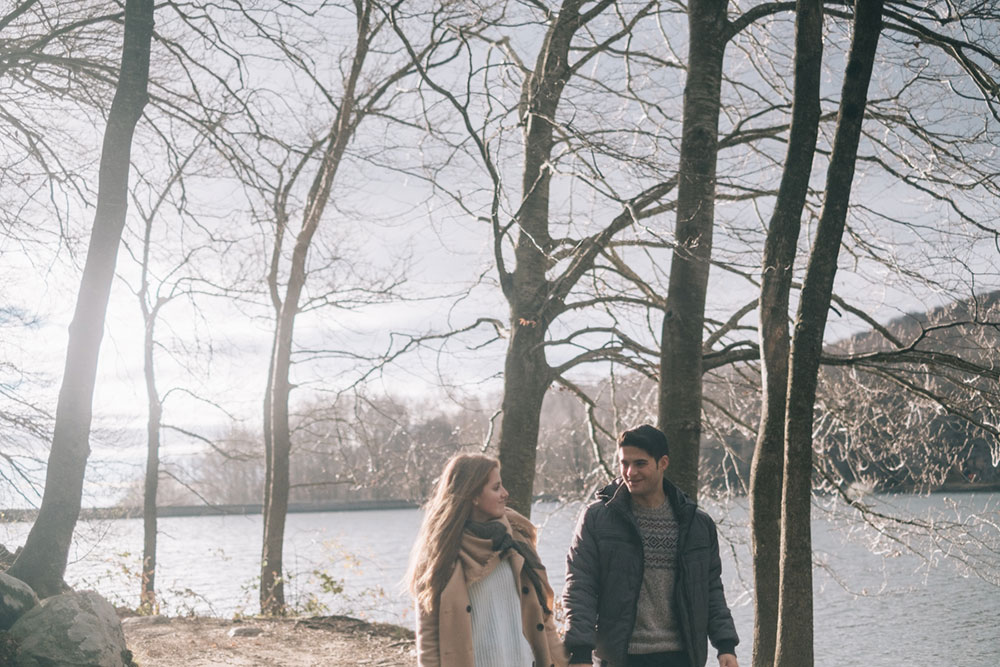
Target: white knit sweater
point(497, 636)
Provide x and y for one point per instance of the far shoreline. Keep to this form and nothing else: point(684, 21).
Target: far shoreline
point(169, 511)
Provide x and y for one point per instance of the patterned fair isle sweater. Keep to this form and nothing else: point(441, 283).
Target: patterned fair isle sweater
point(656, 624)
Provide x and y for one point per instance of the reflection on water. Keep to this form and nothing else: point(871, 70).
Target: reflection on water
point(875, 601)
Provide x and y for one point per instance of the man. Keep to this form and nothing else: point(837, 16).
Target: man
point(643, 575)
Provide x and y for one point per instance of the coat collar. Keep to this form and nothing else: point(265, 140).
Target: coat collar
point(617, 496)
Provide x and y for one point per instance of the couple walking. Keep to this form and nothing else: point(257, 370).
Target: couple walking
point(643, 575)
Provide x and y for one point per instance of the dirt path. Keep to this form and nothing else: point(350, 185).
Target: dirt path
point(316, 641)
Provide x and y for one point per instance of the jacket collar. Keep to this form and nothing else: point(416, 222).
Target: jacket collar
point(617, 496)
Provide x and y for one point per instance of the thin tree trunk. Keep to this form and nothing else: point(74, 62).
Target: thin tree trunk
point(680, 389)
point(147, 593)
point(272, 590)
point(268, 463)
point(795, 614)
point(42, 562)
point(779, 258)
point(272, 596)
point(150, 312)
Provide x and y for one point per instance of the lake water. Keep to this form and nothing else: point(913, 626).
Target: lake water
point(876, 602)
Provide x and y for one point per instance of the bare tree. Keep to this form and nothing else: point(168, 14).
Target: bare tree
point(42, 562)
point(776, 280)
point(154, 293)
point(681, 339)
point(795, 627)
point(53, 64)
point(368, 86)
point(539, 271)
point(55, 60)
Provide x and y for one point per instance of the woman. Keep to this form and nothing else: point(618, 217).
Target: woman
point(482, 595)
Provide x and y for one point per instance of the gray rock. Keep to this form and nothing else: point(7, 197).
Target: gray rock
point(16, 598)
point(71, 629)
point(244, 631)
point(7, 557)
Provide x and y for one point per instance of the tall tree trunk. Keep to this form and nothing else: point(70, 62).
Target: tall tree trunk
point(272, 595)
point(150, 311)
point(272, 589)
point(42, 562)
point(268, 461)
point(795, 613)
point(680, 389)
point(527, 374)
point(776, 280)
point(147, 592)
point(526, 379)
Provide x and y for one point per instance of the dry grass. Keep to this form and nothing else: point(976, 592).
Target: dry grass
point(315, 641)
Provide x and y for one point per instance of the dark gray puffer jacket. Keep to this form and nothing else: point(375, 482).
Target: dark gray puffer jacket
point(604, 572)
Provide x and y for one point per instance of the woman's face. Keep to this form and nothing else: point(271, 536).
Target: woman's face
point(492, 500)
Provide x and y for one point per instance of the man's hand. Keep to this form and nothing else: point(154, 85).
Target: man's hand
point(728, 660)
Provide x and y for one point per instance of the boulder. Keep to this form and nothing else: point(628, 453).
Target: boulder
point(71, 629)
point(7, 557)
point(16, 597)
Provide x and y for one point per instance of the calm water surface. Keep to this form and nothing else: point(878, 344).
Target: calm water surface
point(871, 609)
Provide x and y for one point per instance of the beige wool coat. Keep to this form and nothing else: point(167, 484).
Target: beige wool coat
point(444, 636)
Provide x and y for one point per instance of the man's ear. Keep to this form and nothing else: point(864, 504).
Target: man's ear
point(663, 463)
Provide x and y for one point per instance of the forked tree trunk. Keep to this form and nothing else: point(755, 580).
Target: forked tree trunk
point(795, 613)
point(42, 562)
point(526, 373)
point(680, 388)
point(776, 279)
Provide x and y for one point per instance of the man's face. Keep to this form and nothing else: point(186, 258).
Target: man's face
point(642, 473)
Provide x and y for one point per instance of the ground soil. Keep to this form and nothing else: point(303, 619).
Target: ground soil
point(158, 641)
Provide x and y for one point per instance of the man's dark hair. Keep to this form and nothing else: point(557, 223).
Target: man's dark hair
point(647, 438)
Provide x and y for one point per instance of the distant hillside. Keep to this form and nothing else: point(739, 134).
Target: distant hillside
point(937, 330)
point(921, 420)
point(917, 410)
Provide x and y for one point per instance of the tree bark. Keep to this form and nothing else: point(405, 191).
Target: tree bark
point(795, 614)
point(268, 459)
point(526, 379)
point(776, 279)
point(680, 389)
point(272, 589)
point(527, 375)
point(42, 562)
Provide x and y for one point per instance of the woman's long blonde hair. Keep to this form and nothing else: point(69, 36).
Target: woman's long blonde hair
point(445, 514)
